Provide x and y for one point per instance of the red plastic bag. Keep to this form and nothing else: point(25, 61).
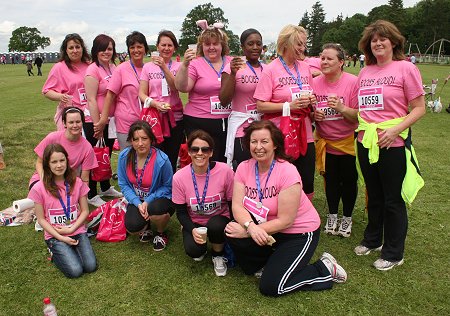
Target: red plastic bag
point(112, 226)
point(289, 127)
point(151, 116)
point(103, 171)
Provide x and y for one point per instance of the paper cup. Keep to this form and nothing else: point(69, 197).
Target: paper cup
point(193, 46)
point(203, 232)
point(155, 54)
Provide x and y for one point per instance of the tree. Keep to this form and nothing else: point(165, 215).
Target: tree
point(348, 34)
point(190, 30)
point(305, 20)
point(316, 28)
point(27, 39)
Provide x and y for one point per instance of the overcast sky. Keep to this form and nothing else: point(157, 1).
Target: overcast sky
point(117, 18)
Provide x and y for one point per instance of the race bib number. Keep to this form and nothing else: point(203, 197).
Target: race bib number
point(58, 218)
point(82, 94)
point(370, 99)
point(296, 93)
point(217, 108)
point(330, 114)
point(212, 205)
point(260, 214)
point(142, 193)
point(164, 88)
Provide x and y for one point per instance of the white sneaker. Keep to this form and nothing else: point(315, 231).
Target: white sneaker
point(200, 258)
point(96, 201)
point(384, 265)
point(337, 272)
point(331, 224)
point(38, 227)
point(345, 228)
point(112, 192)
point(361, 250)
point(220, 266)
point(258, 274)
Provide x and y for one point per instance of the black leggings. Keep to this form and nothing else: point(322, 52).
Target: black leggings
point(215, 128)
point(216, 235)
point(134, 222)
point(340, 182)
point(240, 153)
point(286, 264)
point(89, 133)
point(386, 209)
point(171, 145)
point(306, 166)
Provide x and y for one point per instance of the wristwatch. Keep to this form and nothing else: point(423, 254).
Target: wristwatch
point(247, 224)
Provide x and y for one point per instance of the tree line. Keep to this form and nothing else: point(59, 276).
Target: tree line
point(421, 24)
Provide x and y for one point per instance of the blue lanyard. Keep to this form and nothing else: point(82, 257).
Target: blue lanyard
point(253, 69)
point(219, 74)
point(168, 66)
point(109, 72)
point(258, 184)
point(135, 72)
point(299, 78)
point(201, 203)
point(139, 180)
point(65, 208)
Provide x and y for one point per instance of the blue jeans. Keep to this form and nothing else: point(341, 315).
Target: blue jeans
point(73, 261)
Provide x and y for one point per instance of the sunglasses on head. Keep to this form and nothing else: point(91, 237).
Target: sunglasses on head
point(195, 149)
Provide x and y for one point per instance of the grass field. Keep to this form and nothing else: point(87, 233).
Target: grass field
point(134, 280)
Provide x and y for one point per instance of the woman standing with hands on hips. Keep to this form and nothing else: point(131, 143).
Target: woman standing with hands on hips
point(157, 89)
point(390, 97)
point(203, 202)
point(276, 228)
point(200, 75)
point(287, 80)
point(61, 209)
point(145, 179)
point(336, 121)
point(123, 90)
point(98, 74)
point(65, 82)
point(239, 80)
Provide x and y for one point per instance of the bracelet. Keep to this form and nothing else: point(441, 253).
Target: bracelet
point(148, 102)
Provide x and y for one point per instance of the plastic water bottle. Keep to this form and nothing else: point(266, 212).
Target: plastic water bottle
point(49, 308)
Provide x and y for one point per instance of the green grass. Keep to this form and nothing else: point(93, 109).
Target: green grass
point(134, 280)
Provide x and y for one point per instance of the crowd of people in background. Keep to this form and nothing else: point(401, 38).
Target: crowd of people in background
point(255, 132)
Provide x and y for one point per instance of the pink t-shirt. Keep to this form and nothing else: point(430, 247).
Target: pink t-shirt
point(147, 178)
point(278, 86)
point(204, 96)
point(334, 126)
point(284, 175)
point(63, 80)
point(314, 63)
point(81, 154)
point(155, 77)
point(125, 85)
point(383, 93)
point(243, 101)
point(219, 192)
point(103, 77)
point(53, 211)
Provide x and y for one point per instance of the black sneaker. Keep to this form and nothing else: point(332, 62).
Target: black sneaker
point(160, 241)
point(146, 236)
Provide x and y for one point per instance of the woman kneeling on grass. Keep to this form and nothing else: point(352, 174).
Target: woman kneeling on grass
point(268, 200)
point(203, 201)
point(61, 207)
point(145, 179)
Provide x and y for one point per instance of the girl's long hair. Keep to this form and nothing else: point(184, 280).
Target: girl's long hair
point(49, 177)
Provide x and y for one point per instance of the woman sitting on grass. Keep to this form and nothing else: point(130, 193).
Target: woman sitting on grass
point(61, 207)
point(145, 179)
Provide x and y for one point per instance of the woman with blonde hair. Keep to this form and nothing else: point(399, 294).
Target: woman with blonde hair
point(287, 81)
point(200, 75)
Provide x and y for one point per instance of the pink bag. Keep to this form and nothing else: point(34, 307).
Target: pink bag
point(103, 171)
point(112, 226)
point(288, 127)
point(151, 116)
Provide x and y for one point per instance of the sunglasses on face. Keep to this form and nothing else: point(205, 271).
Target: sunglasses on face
point(195, 149)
